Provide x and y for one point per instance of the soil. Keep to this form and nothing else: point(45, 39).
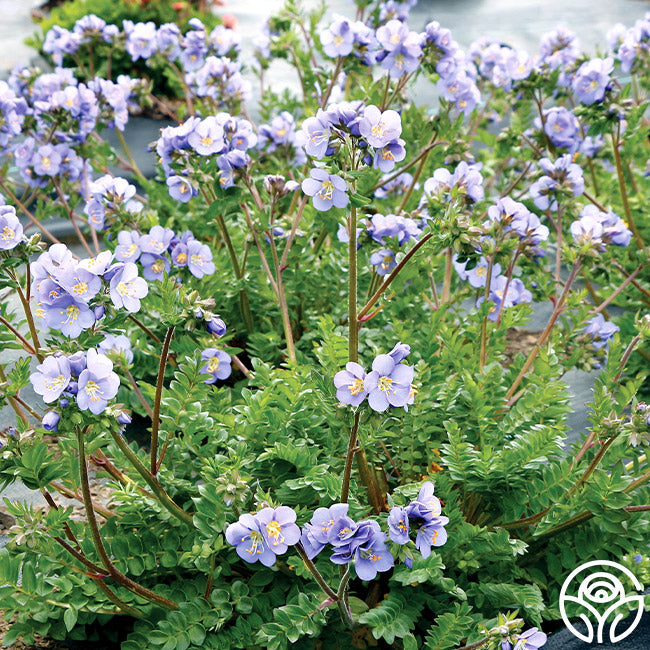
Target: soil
point(519, 341)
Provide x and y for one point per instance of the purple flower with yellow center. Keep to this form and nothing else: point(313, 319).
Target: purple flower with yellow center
point(218, 365)
point(430, 534)
point(338, 38)
point(532, 639)
point(383, 261)
point(326, 189)
point(179, 255)
point(157, 240)
point(97, 383)
point(11, 231)
point(46, 161)
point(127, 249)
point(141, 39)
point(207, 137)
point(349, 384)
point(278, 526)
point(80, 283)
point(477, 276)
point(561, 126)
point(315, 135)
point(372, 555)
point(426, 506)
point(153, 266)
point(386, 157)
point(181, 188)
point(403, 48)
point(591, 80)
point(322, 529)
point(379, 128)
point(388, 384)
point(249, 542)
point(51, 378)
point(69, 316)
point(126, 288)
point(96, 265)
point(199, 259)
point(398, 525)
point(587, 231)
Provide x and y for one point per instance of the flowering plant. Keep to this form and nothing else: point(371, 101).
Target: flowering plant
point(288, 355)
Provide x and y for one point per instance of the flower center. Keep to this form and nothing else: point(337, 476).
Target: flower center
point(72, 313)
point(206, 140)
point(7, 234)
point(213, 364)
point(256, 540)
point(158, 266)
point(197, 260)
point(123, 288)
point(274, 531)
point(326, 191)
point(55, 383)
point(356, 386)
point(384, 383)
point(181, 258)
point(92, 390)
point(80, 288)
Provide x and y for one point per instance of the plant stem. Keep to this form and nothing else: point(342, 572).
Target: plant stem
point(446, 284)
point(486, 296)
point(626, 356)
point(418, 171)
point(614, 295)
point(316, 573)
point(30, 321)
point(347, 472)
point(353, 326)
point(138, 392)
point(335, 74)
point(165, 500)
point(155, 418)
point(282, 301)
point(73, 219)
point(544, 335)
point(145, 329)
point(369, 305)
point(623, 189)
point(127, 152)
point(136, 588)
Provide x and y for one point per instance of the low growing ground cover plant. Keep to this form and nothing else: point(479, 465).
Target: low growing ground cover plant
point(308, 314)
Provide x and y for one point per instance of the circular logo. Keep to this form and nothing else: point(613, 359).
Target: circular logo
point(600, 593)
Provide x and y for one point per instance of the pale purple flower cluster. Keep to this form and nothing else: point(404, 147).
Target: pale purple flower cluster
point(631, 46)
point(160, 248)
point(40, 163)
point(362, 542)
point(12, 114)
point(220, 79)
point(601, 331)
point(219, 136)
point(559, 49)
point(109, 196)
point(118, 346)
point(501, 65)
point(401, 48)
point(465, 183)
point(423, 517)
point(476, 275)
point(391, 225)
point(280, 136)
point(394, 187)
point(69, 292)
point(596, 228)
point(383, 261)
point(264, 535)
point(591, 81)
point(561, 176)
point(516, 218)
point(87, 378)
point(218, 365)
point(389, 383)
point(11, 230)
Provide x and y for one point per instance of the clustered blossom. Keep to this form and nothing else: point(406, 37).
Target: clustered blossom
point(264, 535)
point(389, 383)
point(466, 183)
point(87, 378)
point(280, 137)
point(600, 331)
point(161, 248)
point(632, 45)
point(562, 128)
point(422, 517)
point(561, 176)
point(182, 149)
point(501, 65)
point(69, 293)
point(559, 49)
point(594, 229)
point(109, 196)
point(515, 218)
